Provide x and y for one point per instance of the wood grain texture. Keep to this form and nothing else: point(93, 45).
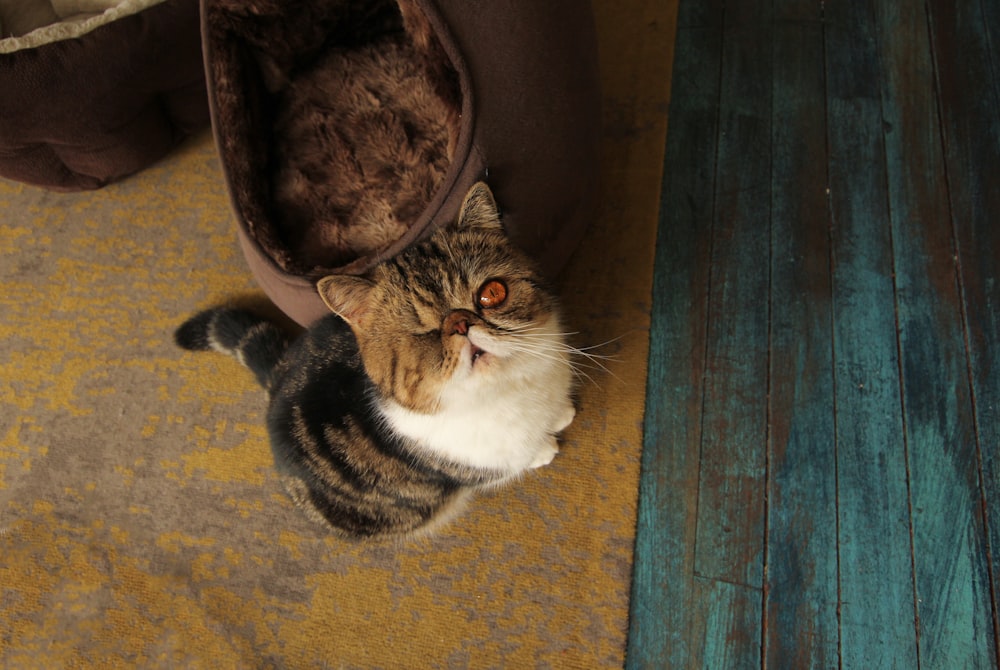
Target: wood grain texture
point(950, 557)
point(964, 41)
point(876, 581)
point(731, 501)
point(662, 613)
point(801, 605)
point(821, 475)
point(729, 552)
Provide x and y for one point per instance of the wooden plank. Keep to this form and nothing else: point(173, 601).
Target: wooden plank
point(877, 621)
point(969, 99)
point(662, 605)
point(801, 595)
point(730, 517)
point(732, 629)
point(950, 558)
point(731, 512)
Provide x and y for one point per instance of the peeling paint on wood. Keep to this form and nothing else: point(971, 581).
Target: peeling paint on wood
point(821, 476)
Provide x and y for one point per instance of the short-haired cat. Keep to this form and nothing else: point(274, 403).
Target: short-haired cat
point(441, 371)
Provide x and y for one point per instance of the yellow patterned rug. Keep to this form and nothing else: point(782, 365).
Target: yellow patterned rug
point(141, 524)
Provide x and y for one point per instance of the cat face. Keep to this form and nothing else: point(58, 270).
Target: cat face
point(461, 314)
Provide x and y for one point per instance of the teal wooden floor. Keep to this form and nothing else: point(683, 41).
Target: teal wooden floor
point(821, 473)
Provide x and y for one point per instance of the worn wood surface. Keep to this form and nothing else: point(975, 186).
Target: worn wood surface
point(821, 470)
point(662, 610)
point(800, 628)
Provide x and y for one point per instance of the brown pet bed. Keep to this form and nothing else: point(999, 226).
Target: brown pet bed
point(94, 90)
point(348, 129)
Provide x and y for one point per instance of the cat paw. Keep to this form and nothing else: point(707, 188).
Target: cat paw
point(564, 419)
point(545, 455)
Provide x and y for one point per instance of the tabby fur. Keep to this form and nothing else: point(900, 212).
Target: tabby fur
point(442, 371)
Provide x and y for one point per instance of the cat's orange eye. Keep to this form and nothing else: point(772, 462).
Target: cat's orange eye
point(492, 294)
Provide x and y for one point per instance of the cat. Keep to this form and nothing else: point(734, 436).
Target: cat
point(441, 371)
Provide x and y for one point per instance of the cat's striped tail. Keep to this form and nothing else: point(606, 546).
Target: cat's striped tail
point(254, 341)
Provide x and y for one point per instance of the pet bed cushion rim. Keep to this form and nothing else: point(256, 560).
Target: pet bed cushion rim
point(68, 30)
point(98, 108)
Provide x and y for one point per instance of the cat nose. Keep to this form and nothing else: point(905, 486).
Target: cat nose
point(458, 322)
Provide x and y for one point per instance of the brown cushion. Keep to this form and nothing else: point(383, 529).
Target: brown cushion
point(79, 113)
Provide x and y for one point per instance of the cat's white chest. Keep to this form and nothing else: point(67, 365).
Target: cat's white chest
point(508, 427)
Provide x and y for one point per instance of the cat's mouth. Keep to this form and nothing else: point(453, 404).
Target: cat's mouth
point(477, 354)
point(479, 340)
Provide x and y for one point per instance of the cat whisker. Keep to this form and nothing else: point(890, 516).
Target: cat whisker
point(551, 352)
point(595, 364)
point(602, 344)
point(575, 366)
point(586, 352)
point(592, 362)
point(529, 330)
point(567, 348)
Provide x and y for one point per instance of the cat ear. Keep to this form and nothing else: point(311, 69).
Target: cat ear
point(347, 296)
point(479, 209)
